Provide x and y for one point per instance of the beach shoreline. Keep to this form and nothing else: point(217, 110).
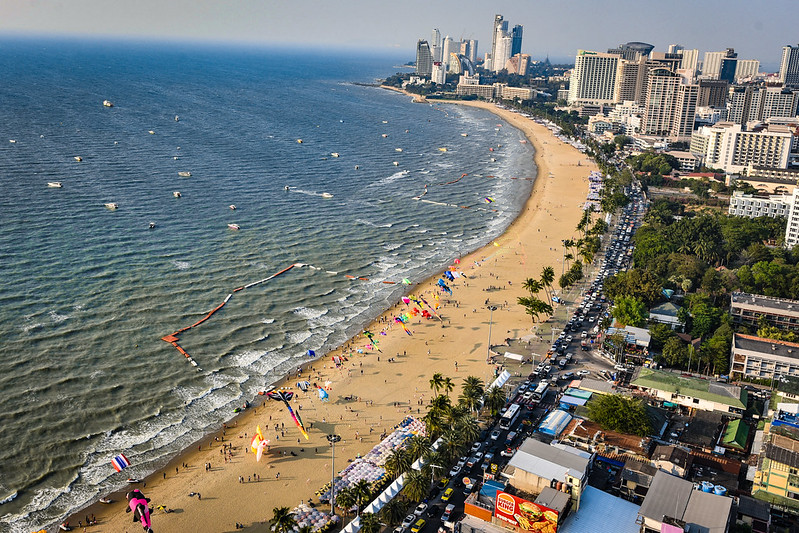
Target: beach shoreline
point(237, 489)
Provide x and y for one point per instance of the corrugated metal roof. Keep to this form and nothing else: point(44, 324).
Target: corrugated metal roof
point(547, 461)
point(601, 512)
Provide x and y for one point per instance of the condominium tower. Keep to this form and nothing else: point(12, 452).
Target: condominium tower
point(789, 66)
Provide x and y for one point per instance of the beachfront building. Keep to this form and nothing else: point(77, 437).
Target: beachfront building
point(424, 59)
point(691, 393)
point(751, 206)
point(669, 105)
point(672, 504)
point(439, 74)
point(536, 466)
point(593, 80)
point(750, 309)
point(756, 357)
point(727, 146)
point(750, 103)
point(789, 66)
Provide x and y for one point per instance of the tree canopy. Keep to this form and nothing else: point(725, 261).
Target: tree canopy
point(618, 413)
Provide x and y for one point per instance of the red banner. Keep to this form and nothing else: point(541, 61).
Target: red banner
point(525, 515)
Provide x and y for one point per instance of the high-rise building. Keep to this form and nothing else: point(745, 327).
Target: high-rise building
point(518, 64)
point(499, 24)
point(789, 66)
point(630, 80)
point(516, 35)
point(746, 68)
point(675, 49)
point(757, 104)
point(690, 60)
point(439, 74)
point(435, 45)
point(472, 55)
point(593, 80)
point(448, 47)
point(711, 66)
point(632, 50)
point(779, 102)
point(670, 105)
point(727, 146)
point(712, 93)
point(792, 227)
point(501, 50)
point(424, 58)
point(729, 64)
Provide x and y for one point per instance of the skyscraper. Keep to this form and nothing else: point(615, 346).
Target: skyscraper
point(472, 55)
point(789, 66)
point(729, 64)
point(435, 45)
point(501, 50)
point(593, 80)
point(516, 35)
point(499, 22)
point(690, 59)
point(746, 68)
point(632, 50)
point(424, 59)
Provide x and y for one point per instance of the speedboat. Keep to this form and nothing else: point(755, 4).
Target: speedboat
point(133, 480)
point(234, 226)
point(327, 195)
point(357, 167)
point(177, 118)
point(111, 205)
point(12, 141)
point(78, 158)
point(397, 149)
point(334, 154)
point(152, 225)
point(442, 149)
point(232, 206)
point(184, 174)
point(108, 103)
point(299, 141)
point(385, 135)
point(464, 134)
point(396, 163)
point(286, 188)
point(151, 132)
point(176, 194)
point(54, 184)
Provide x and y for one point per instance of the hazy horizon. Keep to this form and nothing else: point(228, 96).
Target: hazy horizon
point(556, 30)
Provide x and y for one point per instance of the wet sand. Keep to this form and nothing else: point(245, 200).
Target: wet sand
point(383, 392)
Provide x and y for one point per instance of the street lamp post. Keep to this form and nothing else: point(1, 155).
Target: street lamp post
point(333, 439)
point(491, 308)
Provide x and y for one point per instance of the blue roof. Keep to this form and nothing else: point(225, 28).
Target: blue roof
point(572, 400)
point(555, 423)
point(601, 512)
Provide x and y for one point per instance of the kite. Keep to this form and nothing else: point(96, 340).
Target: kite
point(430, 306)
point(371, 336)
point(138, 504)
point(488, 200)
point(406, 300)
point(444, 287)
point(285, 397)
point(258, 444)
point(120, 462)
point(406, 281)
point(449, 275)
point(401, 321)
point(323, 395)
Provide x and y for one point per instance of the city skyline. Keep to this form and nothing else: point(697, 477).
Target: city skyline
point(554, 30)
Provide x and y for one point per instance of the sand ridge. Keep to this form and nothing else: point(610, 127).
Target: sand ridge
point(383, 392)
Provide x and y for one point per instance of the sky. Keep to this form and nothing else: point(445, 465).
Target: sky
point(757, 30)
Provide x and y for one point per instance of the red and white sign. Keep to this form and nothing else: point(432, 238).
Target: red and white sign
point(524, 514)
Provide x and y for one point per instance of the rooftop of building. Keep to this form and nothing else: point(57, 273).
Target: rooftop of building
point(782, 449)
point(547, 461)
point(601, 512)
point(736, 434)
point(745, 299)
point(587, 430)
point(673, 454)
point(703, 429)
point(665, 309)
point(554, 499)
point(638, 472)
point(765, 346)
point(674, 497)
point(704, 389)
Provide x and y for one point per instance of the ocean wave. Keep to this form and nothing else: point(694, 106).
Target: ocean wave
point(57, 318)
point(181, 265)
point(309, 313)
point(267, 320)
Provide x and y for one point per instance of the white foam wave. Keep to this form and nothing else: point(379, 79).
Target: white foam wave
point(309, 313)
point(28, 327)
point(8, 498)
point(246, 358)
point(298, 337)
point(267, 320)
point(181, 265)
point(56, 318)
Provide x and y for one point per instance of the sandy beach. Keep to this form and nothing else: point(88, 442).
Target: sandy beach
point(237, 489)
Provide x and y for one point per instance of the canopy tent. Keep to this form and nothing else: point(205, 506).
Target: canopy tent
point(514, 356)
point(500, 381)
point(572, 401)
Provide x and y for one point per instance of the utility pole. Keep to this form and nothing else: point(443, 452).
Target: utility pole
point(333, 439)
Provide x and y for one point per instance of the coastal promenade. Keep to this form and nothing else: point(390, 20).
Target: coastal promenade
point(237, 489)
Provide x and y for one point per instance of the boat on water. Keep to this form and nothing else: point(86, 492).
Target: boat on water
point(108, 103)
point(464, 134)
point(523, 141)
point(395, 163)
point(397, 149)
point(12, 141)
point(78, 158)
point(176, 194)
point(184, 174)
point(299, 141)
point(105, 500)
point(442, 149)
point(111, 205)
point(385, 135)
point(232, 207)
point(357, 167)
point(334, 154)
point(151, 132)
point(177, 118)
point(152, 225)
point(286, 188)
point(327, 195)
point(133, 480)
point(54, 184)
point(234, 226)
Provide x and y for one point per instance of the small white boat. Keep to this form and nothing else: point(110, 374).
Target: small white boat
point(493, 159)
point(152, 225)
point(12, 141)
point(384, 135)
point(175, 157)
point(112, 205)
point(177, 118)
point(184, 174)
point(176, 194)
point(327, 195)
point(54, 184)
point(385, 122)
point(151, 132)
point(523, 141)
point(133, 480)
point(357, 167)
point(108, 103)
point(232, 207)
point(286, 188)
point(105, 500)
point(395, 163)
point(234, 226)
point(397, 149)
point(442, 149)
point(78, 158)
point(334, 154)
point(464, 134)
point(299, 141)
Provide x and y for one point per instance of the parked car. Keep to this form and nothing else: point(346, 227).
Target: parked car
point(408, 520)
point(496, 433)
point(447, 494)
point(455, 471)
point(476, 446)
point(418, 526)
point(583, 372)
point(447, 512)
point(420, 509)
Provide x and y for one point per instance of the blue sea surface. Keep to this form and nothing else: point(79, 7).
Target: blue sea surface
point(87, 292)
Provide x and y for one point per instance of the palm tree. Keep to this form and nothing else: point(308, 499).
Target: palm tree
point(393, 511)
point(452, 445)
point(436, 382)
point(370, 523)
point(448, 385)
point(282, 520)
point(472, 393)
point(532, 285)
point(434, 422)
point(398, 462)
point(495, 399)
point(547, 279)
point(441, 403)
point(416, 485)
point(362, 492)
point(468, 428)
point(417, 446)
point(345, 500)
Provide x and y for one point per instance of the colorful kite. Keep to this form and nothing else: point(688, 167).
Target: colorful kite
point(369, 335)
point(323, 395)
point(401, 321)
point(120, 462)
point(488, 200)
point(138, 504)
point(285, 397)
point(258, 444)
point(443, 285)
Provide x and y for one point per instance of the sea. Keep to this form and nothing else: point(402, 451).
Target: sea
point(87, 292)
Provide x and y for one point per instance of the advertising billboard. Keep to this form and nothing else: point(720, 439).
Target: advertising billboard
point(525, 515)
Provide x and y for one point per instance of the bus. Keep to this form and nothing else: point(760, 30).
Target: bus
point(540, 391)
point(510, 416)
